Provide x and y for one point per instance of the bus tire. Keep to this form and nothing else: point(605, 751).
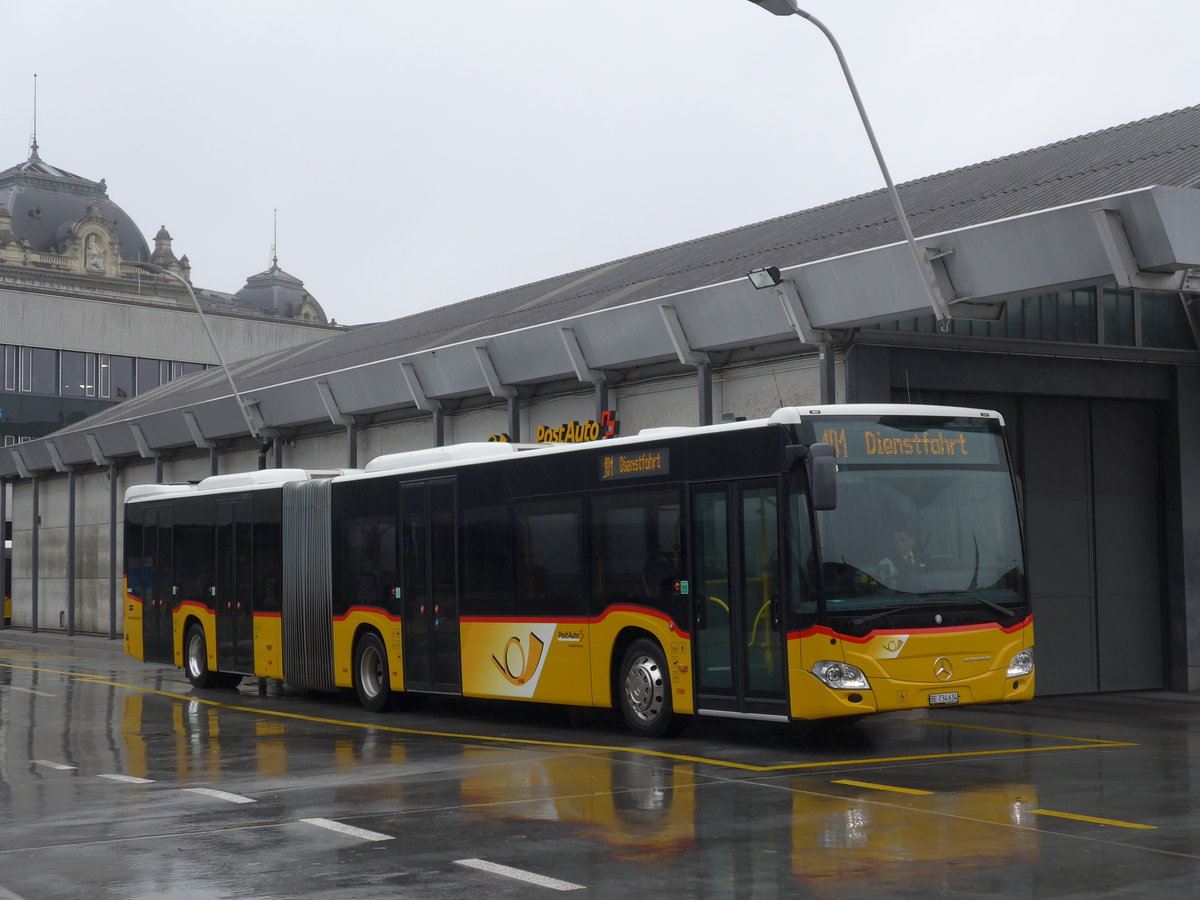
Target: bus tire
point(195, 658)
point(229, 680)
point(645, 692)
point(372, 681)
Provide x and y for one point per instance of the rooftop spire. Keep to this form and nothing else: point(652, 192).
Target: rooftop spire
point(275, 240)
point(33, 144)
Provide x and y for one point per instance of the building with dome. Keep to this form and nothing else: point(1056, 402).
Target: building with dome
point(82, 329)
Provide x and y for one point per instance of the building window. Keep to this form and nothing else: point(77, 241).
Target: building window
point(116, 377)
point(10, 367)
point(1105, 315)
point(78, 374)
point(1164, 321)
point(149, 374)
point(180, 369)
point(38, 371)
point(1119, 321)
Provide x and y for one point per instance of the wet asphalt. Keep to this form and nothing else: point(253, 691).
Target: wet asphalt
point(118, 780)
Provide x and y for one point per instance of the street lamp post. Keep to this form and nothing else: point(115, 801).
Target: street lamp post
point(940, 307)
point(159, 270)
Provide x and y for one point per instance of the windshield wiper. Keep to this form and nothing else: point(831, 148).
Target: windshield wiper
point(863, 620)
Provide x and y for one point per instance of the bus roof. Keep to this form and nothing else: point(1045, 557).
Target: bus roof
point(432, 458)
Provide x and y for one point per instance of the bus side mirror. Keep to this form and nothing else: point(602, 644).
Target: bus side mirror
point(822, 476)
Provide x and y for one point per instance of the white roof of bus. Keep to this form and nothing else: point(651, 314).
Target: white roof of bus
point(434, 458)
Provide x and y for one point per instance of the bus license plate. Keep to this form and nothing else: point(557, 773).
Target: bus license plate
point(947, 699)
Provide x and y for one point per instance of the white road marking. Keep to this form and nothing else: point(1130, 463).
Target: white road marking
point(222, 795)
point(13, 687)
point(349, 830)
point(128, 779)
point(520, 875)
point(9, 895)
point(45, 763)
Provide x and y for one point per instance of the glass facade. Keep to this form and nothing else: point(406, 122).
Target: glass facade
point(44, 390)
point(1100, 314)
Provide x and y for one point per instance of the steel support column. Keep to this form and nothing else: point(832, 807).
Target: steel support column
point(828, 373)
point(704, 391)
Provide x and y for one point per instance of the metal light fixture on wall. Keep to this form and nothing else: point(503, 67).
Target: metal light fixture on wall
point(766, 277)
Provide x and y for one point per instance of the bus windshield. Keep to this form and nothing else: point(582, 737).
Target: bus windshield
point(926, 517)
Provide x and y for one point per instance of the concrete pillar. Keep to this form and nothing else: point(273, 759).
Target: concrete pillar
point(112, 552)
point(71, 551)
point(33, 557)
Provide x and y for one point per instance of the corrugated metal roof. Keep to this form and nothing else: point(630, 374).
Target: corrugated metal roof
point(1162, 150)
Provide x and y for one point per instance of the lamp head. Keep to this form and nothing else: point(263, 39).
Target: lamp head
point(767, 276)
point(779, 7)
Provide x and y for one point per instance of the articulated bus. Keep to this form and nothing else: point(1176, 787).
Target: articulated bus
point(823, 562)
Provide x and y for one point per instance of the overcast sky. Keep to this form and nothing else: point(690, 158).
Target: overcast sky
point(422, 152)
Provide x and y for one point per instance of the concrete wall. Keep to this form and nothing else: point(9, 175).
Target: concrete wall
point(131, 328)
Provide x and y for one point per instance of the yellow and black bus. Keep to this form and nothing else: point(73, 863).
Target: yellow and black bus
point(826, 561)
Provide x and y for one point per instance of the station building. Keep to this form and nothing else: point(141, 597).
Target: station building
point(82, 329)
point(1069, 273)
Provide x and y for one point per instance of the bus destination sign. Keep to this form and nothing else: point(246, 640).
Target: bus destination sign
point(959, 442)
point(636, 464)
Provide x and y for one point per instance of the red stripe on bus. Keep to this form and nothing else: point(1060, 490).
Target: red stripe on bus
point(982, 626)
point(374, 610)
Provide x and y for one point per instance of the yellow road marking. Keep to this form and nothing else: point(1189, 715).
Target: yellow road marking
point(1038, 734)
point(1079, 743)
point(1093, 819)
point(882, 787)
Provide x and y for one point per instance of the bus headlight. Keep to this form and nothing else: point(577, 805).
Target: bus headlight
point(1022, 663)
point(841, 676)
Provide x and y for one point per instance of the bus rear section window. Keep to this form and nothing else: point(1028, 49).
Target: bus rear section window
point(549, 573)
point(484, 551)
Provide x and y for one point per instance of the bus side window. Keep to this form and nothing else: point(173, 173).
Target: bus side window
point(548, 564)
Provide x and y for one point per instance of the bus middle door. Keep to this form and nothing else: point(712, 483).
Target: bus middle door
point(430, 587)
point(158, 586)
point(739, 646)
point(235, 616)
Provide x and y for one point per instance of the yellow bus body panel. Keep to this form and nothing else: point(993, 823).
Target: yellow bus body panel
point(134, 644)
point(905, 668)
point(565, 661)
point(191, 609)
point(268, 645)
point(344, 630)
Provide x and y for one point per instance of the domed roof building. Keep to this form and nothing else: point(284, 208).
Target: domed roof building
point(83, 325)
point(278, 293)
point(47, 207)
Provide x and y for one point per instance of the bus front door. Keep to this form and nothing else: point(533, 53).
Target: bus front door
point(430, 588)
point(158, 586)
point(235, 617)
point(739, 646)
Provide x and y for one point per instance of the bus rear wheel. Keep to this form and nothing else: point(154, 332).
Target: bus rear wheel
point(195, 658)
point(645, 689)
point(372, 681)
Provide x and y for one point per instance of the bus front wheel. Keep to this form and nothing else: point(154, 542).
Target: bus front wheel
point(371, 678)
point(645, 689)
point(195, 661)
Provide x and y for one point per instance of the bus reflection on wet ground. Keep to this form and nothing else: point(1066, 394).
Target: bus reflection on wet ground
point(118, 779)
